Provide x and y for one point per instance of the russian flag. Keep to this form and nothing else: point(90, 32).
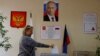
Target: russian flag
point(66, 41)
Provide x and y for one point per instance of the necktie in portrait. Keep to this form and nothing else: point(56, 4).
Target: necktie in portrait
point(52, 19)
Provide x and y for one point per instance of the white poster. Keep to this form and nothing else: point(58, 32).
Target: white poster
point(90, 22)
point(90, 27)
point(50, 32)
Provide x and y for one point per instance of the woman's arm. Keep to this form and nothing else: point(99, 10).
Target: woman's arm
point(42, 45)
point(33, 43)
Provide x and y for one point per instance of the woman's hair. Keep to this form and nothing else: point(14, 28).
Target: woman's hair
point(28, 27)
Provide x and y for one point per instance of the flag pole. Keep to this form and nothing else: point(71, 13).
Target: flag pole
point(31, 23)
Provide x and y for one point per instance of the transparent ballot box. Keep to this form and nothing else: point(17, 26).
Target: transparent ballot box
point(48, 54)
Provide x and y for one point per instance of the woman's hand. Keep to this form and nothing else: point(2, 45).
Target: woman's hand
point(51, 46)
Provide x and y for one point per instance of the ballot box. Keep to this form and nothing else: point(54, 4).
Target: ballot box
point(48, 54)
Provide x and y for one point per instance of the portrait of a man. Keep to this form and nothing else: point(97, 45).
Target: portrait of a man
point(51, 11)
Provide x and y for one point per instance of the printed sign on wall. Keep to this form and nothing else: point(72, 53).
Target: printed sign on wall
point(50, 32)
point(90, 22)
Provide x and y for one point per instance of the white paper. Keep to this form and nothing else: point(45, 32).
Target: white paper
point(90, 28)
point(90, 18)
point(55, 50)
point(90, 22)
point(50, 32)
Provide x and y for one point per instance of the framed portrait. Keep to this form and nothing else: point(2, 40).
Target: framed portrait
point(51, 9)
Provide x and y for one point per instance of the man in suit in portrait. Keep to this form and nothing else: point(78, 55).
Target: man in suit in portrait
point(50, 12)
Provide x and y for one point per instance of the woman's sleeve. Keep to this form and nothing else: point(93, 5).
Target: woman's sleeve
point(33, 43)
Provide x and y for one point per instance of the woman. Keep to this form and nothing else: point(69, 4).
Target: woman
point(27, 44)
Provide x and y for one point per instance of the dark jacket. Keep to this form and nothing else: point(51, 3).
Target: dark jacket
point(46, 18)
point(27, 46)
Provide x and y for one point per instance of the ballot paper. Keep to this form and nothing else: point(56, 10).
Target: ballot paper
point(55, 50)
